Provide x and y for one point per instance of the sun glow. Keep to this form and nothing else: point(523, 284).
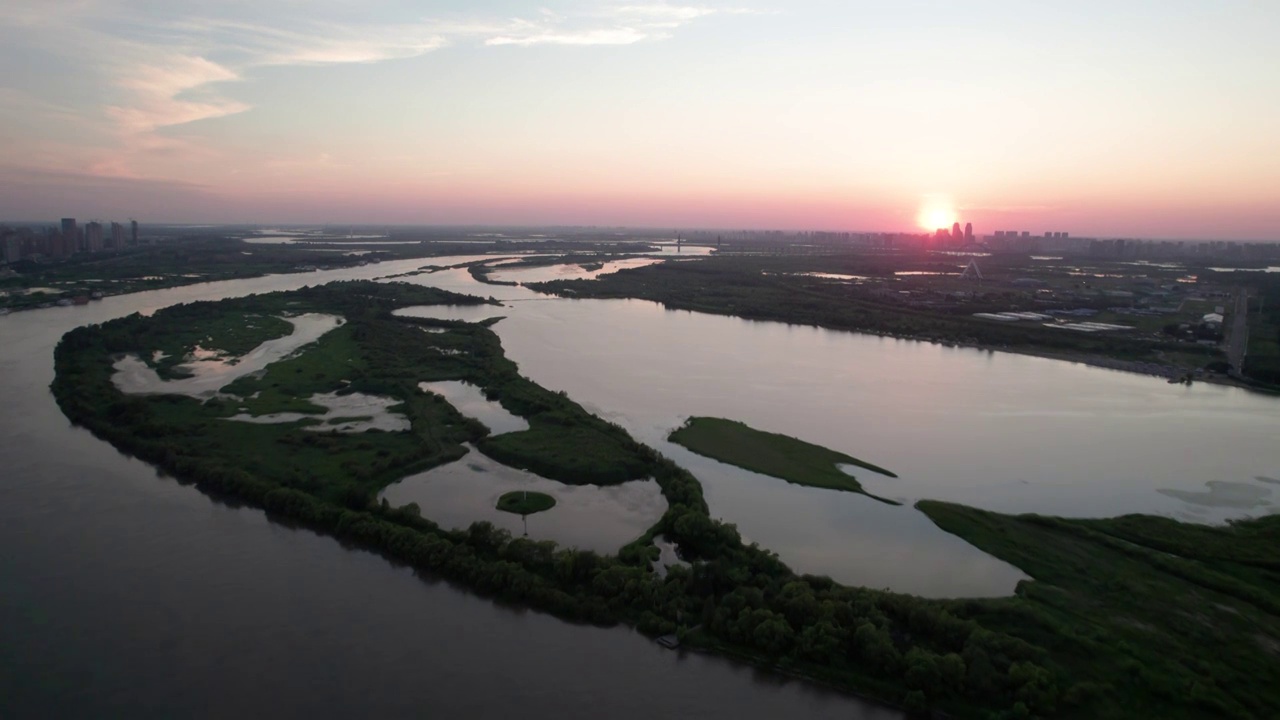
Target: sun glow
point(936, 212)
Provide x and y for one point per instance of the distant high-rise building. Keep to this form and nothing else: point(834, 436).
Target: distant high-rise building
point(956, 233)
point(52, 244)
point(70, 237)
point(11, 247)
point(117, 236)
point(93, 236)
point(133, 230)
point(968, 232)
point(1026, 233)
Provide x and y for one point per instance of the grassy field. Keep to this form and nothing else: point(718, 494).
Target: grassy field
point(522, 502)
point(780, 456)
point(573, 455)
point(1156, 618)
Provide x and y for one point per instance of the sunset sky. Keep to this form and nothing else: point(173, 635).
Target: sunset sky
point(1123, 117)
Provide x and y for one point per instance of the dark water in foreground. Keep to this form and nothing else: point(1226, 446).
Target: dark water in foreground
point(123, 594)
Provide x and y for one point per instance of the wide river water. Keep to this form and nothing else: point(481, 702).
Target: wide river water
point(1000, 431)
point(126, 593)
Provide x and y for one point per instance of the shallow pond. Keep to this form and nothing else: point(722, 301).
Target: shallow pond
point(568, 271)
point(465, 313)
point(667, 556)
point(213, 372)
point(585, 516)
point(345, 413)
point(471, 402)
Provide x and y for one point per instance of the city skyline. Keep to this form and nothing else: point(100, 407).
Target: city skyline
point(1105, 121)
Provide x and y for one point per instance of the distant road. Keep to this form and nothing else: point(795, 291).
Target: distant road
point(1238, 335)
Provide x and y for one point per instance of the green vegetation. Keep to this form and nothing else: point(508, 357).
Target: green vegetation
point(1262, 358)
point(571, 453)
point(780, 456)
point(327, 365)
point(1136, 617)
point(374, 352)
point(1156, 618)
point(523, 502)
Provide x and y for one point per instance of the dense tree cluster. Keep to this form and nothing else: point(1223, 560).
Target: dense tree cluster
point(1262, 362)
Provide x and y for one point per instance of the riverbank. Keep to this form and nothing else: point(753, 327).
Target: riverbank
point(174, 264)
point(1170, 373)
point(740, 288)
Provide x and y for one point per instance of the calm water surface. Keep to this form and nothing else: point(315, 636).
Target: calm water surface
point(123, 594)
point(589, 517)
point(994, 430)
point(569, 271)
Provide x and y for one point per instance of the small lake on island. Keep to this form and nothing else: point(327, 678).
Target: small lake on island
point(345, 412)
point(462, 313)
point(588, 517)
point(208, 374)
point(471, 402)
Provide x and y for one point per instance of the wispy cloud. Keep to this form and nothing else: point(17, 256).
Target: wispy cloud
point(1012, 209)
point(614, 25)
point(157, 94)
point(181, 65)
point(665, 13)
point(316, 42)
point(598, 36)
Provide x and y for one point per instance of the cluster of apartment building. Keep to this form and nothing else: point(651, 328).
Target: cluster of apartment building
point(1209, 249)
point(64, 240)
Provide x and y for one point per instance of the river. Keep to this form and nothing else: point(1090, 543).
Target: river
point(1000, 431)
point(129, 594)
point(124, 594)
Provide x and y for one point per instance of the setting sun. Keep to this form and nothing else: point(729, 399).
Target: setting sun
point(936, 212)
